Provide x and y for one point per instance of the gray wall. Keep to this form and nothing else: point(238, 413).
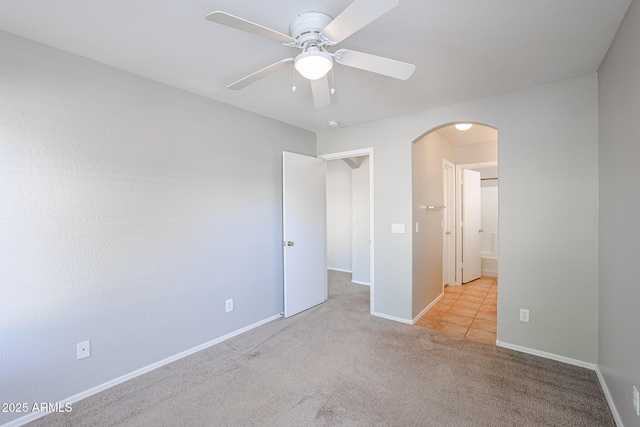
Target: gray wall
point(129, 212)
point(339, 216)
point(427, 157)
point(619, 153)
point(361, 265)
point(477, 153)
point(548, 209)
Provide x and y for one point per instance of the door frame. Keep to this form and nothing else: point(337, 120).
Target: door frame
point(357, 153)
point(459, 169)
point(445, 197)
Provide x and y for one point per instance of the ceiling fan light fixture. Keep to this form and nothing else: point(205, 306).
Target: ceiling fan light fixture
point(463, 126)
point(313, 64)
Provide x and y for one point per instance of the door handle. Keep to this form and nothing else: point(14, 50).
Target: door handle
point(289, 243)
point(447, 233)
point(481, 231)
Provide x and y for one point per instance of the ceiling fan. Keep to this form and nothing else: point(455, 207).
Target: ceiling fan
point(313, 33)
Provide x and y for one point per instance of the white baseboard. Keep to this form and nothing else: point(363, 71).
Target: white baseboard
point(546, 355)
point(97, 389)
point(407, 321)
point(607, 394)
point(357, 282)
point(394, 318)
point(438, 298)
point(486, 272)
point(339, 269)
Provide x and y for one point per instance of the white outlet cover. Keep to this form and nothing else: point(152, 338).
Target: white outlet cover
point(229, 305)
point(524, 315)
point(83, 349)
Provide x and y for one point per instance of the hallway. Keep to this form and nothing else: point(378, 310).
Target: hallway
point(469, 311)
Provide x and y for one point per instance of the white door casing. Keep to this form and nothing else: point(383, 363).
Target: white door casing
point(304, 232)
point(471, 226)
point(448, 224)
point(369, 153)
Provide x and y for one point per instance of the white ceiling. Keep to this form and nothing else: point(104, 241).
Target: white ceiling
point(463, 49)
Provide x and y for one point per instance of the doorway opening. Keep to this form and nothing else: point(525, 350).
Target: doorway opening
point(350, 215)
point(477, 253)
point(455, 236)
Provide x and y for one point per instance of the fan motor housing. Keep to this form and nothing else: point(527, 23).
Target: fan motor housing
point(308, 25)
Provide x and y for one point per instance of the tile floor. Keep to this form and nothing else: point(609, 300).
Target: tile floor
point(469, 310)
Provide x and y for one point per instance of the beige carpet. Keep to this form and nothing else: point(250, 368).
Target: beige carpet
point(337, 365)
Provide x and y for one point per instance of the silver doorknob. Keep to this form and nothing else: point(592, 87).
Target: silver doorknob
point(289, 243)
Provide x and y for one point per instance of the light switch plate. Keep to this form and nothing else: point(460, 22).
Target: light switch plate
point(397, 228)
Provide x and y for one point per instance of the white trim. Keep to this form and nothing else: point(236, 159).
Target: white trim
point(339, 269)
point(607, 394)
point(427, 308)
point(347, 154)
point(480, 165)
point(546, 355)
point(446, 164)
point(394, 318)
point(97, 389)
point(458, 233)
point(356, 153)
point(487, 272)
point(358, 282)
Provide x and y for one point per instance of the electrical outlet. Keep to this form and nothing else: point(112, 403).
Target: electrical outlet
point(229, 305)
point(636, 401)
point(83, 349)
point(524, 315)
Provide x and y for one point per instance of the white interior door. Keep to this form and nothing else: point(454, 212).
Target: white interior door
point(471, 225)
point(304, 232)
point(449, 228)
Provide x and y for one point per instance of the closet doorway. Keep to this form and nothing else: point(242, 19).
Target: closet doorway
point(349, 177)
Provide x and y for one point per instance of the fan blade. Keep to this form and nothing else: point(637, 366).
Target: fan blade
point(375, 64)
point(356, 16)
point(248, 26)
point(320, 91)
point(260, 74)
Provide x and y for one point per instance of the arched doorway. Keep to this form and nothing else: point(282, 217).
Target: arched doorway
point(452, 169)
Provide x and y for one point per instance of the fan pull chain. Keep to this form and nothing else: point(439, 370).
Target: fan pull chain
point(293, 88)
point(332, 88)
